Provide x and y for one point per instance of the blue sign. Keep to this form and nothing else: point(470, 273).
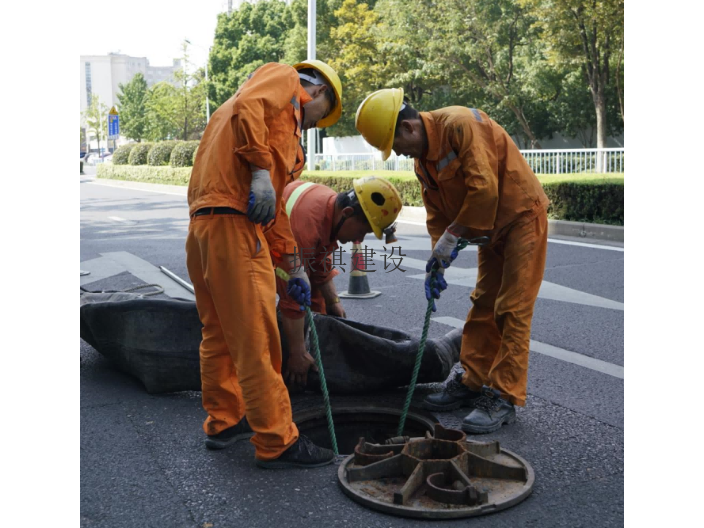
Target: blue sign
point(113, 126)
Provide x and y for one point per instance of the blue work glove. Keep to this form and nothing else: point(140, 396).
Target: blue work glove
point(434, 287)
point(299, 291)
point(298, 283)
point(261, 208)
point(444, 252)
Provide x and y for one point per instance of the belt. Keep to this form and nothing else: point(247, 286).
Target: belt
point(217, 211)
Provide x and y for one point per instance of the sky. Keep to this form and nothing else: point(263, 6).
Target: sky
point(153, 29)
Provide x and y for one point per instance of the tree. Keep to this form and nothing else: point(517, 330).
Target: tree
point(406, 62)
point(479, 53)
point(96, 119)
point(357, 59)
point(162, 121)
point(248, 38)
point(585, 34)
point(189, 105)
point(177, 112)
point(489, 43)
point(573, 109)
point(618, 76)
point(133, 107)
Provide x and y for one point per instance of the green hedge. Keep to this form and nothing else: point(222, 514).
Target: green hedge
point(138, 155)
point(145, 173)
point(591, 199)
point(408, 187)
point(597, 202)
point(160, 153)
point(122, 155)
point(183, 154)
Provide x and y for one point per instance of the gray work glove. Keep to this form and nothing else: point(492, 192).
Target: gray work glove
point(262, 198)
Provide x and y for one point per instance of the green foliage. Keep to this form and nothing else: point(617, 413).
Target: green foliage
point(138, 155)
point(122, 154)
point(160, 153)
point(96, 119)
point(182, 154)
point(133, 108)
point(587, 201)
point(145, 173)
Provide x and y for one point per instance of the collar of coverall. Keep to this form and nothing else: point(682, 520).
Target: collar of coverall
point(433, 141)
point(304, 100)
point(304, 97)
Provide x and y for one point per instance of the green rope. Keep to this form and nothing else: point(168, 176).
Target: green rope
point(323, 384)
point(424, 337)
point(319, 362)
point(416, 368)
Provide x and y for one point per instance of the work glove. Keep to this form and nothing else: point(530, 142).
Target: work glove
point(299, 286)
point(434, 287)
point(444, 252)
point(262, 198)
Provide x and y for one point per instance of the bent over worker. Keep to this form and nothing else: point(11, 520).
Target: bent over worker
point(320, 218)
point(475, 184)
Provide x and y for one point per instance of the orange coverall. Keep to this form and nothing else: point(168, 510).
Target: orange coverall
point(473, 174)
point(311, 223)
point(229, 257)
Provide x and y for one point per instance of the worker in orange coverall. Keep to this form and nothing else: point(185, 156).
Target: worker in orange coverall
point(247, 155)
point(320, 218)
point(476, 184)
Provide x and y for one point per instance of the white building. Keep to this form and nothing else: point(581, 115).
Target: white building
point(101, 75)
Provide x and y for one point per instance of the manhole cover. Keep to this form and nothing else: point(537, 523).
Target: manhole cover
point(438, 476)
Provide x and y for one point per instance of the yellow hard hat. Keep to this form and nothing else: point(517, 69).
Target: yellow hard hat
point(334, 81)
point(380, 202)
point(376, 118)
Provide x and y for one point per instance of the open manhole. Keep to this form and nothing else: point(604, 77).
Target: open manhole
point(375, 424)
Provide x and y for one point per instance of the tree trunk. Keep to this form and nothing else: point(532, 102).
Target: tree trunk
point(618, 85)
point(534, 143)
point(600, 107)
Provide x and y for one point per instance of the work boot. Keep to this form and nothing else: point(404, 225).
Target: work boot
point(489, 414)
point(303, 453)
point(454, 395)
point(229, 436)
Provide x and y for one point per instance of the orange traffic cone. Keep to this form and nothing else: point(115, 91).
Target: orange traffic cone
point(359, 285)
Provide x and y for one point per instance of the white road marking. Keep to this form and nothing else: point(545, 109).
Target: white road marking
point(118, 219)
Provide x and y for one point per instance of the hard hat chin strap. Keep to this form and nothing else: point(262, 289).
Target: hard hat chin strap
point(337, 228)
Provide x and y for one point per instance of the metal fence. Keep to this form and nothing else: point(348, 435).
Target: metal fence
point(560, 161)
point(361, 161)
point(542, 161)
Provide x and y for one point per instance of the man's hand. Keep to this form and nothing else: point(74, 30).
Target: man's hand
point(336, 309)
point(299, 283)
point(262, 198)
point(433, 288)
point(299, 361)
point(444, 252)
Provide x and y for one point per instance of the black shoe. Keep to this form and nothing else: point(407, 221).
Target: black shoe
point(230, 435)
point(489, 414)
point(454, 395)
point(303, 453)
